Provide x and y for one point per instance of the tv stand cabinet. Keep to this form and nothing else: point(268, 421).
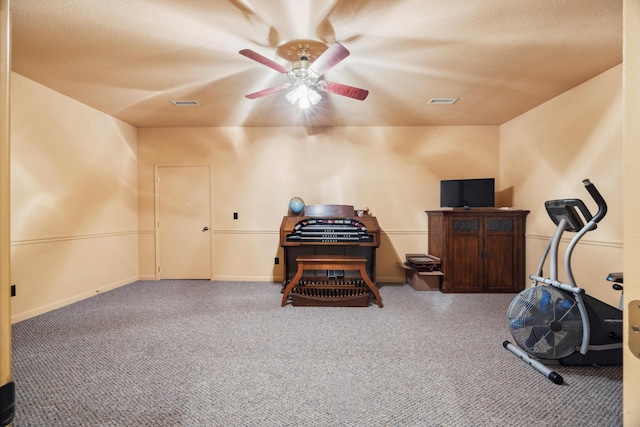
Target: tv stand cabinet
point(481, 249)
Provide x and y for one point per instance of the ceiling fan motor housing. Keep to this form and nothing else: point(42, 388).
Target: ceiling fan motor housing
point(300, 72)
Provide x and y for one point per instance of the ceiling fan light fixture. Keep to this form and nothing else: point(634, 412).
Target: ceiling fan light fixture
point(292, 96)
point(304, 96)
point(314, 97)
point(303, 103)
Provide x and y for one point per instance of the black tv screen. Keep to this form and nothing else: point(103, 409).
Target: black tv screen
point(467, 193)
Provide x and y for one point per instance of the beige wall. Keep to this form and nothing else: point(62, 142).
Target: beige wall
point(74, 210)
point(83, 184)
point(547, 152)
point(395, 172)
point(542, 154)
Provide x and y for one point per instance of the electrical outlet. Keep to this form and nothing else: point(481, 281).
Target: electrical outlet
point(277, 261)
point(13, 290)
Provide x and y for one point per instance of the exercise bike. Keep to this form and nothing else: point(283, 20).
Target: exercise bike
point(554, 322)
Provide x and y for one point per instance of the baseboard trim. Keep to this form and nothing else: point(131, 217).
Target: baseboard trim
point(245, 278)
point(70, 300)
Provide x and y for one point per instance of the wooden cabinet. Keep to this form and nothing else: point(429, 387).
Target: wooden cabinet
point(482, 250)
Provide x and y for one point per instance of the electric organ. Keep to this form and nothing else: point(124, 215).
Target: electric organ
point(337, 251)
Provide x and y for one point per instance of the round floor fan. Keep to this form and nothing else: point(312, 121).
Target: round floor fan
point(545, 322)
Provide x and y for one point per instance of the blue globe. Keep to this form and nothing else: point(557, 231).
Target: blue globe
point(296, 204)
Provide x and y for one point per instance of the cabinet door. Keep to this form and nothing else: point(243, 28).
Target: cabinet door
point(500, 254)
point(463, 271)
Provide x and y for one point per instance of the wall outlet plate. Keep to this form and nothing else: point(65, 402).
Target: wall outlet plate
point(634, 328)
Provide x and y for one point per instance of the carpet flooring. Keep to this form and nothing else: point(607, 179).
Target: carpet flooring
point(201, 353)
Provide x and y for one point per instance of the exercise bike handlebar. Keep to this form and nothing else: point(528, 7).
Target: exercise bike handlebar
point(597, 197)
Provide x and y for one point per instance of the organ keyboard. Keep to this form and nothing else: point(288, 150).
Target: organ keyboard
point(330, 230)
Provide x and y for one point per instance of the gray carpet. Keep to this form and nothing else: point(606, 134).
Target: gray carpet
point(200, 353)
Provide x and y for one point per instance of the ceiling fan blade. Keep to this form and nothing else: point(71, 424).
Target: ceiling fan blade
point(344, 90)
point(330, 57)
point(266, 92)
point(263, 60)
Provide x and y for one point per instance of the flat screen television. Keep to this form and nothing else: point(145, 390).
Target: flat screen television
point(467, 193)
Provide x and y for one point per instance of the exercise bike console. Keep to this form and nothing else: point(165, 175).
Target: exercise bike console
point(566, 209)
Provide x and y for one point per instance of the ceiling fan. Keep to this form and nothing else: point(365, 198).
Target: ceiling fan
point(305, 76)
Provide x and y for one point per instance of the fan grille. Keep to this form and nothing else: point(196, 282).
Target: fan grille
point(545, 322)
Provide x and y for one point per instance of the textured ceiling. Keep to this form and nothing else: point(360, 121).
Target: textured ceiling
point(130, 58)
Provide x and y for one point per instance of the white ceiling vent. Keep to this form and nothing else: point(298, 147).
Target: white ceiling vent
point(185, 102)
point(442, 101)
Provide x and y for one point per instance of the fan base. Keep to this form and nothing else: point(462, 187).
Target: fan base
point(289, 50)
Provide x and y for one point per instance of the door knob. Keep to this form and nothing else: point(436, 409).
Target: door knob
point(205, 229)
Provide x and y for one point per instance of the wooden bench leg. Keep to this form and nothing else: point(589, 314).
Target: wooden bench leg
point(291, 284)
point(370, 284)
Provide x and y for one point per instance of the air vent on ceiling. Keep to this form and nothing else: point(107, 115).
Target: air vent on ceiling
point(184, 103)
point(442, 101)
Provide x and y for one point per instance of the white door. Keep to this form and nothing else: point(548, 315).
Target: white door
point(182, 222)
